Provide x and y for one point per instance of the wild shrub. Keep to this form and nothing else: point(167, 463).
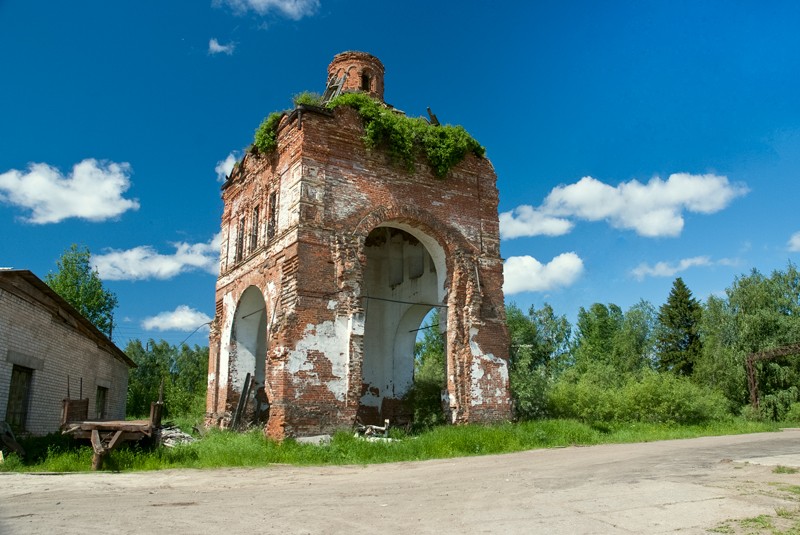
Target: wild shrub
point(667, 398)
point(776, 404)
point(600, 396)
point(590, 396)
point(266, 134)
point(424, 400)
point(529, 390)
point(307, 98)
point(404, 137)
point(793, 414)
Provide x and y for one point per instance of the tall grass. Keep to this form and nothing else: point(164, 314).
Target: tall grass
point(227, 449)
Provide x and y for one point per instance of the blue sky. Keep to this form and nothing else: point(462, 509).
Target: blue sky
point(634, 142)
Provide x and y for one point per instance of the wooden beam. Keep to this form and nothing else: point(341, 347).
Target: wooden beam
point(114, 440)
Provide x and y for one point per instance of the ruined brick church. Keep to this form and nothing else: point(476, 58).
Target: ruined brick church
point(332, 256)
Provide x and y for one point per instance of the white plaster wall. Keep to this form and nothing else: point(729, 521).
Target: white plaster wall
point(480, 363)
point(332, 340)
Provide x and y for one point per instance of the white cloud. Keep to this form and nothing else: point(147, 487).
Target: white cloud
point(183, 318)
point(525, 220)
point(92, 191)
point(224, 167)
point(794, 242)
point(144, 262)
point(214, 47)
point(526, 274)
point(293, 9)
point(666, 269)
point(653, 209)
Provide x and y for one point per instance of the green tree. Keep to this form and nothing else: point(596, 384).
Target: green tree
point(678, 341)
point(720, 365)
point(634, 342)
point(183, 369)
point(81, 287)
point(766, 314)
point(539, 351)
point(757, 313)
point(541, 334)
point(152, 365)
point(597, 333)
point(429, 352)
point(424, 397)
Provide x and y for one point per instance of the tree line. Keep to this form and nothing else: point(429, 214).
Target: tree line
point(683, 362)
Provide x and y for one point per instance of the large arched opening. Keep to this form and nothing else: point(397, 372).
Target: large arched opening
point(404, 279)
point(249, 357)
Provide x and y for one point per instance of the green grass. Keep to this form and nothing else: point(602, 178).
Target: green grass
point(784, 470)
point(785, 521)
point(761, 521)
point(793, 489)
point(226, 449)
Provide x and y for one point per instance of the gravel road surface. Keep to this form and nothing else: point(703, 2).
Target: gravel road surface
point(686, 486)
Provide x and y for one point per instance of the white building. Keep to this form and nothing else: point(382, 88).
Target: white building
point(44, 342)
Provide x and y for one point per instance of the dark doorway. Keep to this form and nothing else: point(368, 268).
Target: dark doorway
point(19, 398)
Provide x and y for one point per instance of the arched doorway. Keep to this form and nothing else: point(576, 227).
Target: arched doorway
point(403, 280)
point(249, 355)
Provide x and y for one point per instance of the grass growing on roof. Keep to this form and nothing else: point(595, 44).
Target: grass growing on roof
point(404, 138)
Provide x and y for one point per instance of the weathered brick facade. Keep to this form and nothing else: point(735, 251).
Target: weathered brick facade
point(332, 256)
point(46, 339)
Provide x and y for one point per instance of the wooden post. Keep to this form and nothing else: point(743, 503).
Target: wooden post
point(99, 451)
point(157, 409)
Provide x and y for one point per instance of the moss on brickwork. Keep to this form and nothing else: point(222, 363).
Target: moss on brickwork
point(404, 138)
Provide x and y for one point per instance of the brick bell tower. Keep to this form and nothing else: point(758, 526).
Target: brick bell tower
point(332, 255)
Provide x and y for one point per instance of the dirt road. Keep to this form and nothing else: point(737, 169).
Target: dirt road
point(659, 487)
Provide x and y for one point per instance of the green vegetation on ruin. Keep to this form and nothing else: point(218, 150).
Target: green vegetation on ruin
point(405, 139)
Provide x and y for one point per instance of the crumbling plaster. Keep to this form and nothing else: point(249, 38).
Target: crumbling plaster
point(332, 354)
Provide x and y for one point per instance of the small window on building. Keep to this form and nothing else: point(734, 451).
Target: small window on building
point(19, 396)
point(254, 230)
point(100, 403)
point(273, 215)
point(365, 82)
point(240, 241)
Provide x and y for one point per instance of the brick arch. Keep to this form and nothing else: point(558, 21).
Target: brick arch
point(448, 238)
point(225, 332)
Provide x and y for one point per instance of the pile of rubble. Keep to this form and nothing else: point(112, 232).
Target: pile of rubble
point(171, 436)
point(373, 433)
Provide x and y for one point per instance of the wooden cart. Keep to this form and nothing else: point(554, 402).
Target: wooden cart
point(105, 435)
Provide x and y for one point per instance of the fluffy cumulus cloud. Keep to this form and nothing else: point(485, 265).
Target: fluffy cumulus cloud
point(183, 318)
point(214, 47)
point(144, 262)
point(794, 242)
point(224, 167)
point(653, 209)
point(92, 191)
point(667, 269)
point(526, 220)
point(526, 274)
point(293, 9)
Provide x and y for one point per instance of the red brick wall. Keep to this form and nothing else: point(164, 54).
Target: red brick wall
point(333, 192)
